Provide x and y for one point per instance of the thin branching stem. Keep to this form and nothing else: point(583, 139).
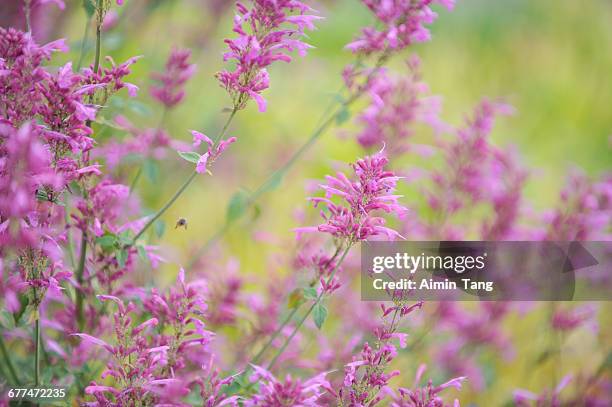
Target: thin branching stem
point(37, 351)
point(307, 314)
point(98, 37)
point(289, 317)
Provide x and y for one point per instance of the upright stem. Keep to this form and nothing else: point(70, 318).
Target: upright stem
point(97, 58)
point(98, 35)
point(83, 254)
point(27, 8)
point(307, 314)
point(135, 179)
point(80, 280)
point(37, 352)
point(282, 326)
point(225, 126)
point(182, 189)
point(9, 362)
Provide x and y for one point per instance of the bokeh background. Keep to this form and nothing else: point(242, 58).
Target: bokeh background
point(550, 59)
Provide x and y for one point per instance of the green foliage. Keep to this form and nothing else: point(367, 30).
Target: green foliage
point(190, 156)
point(319, 314)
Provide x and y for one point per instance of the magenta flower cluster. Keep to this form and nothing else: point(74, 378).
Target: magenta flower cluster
point(170, 90)
point(267, 32)
point(403, 22)
point(371, 191)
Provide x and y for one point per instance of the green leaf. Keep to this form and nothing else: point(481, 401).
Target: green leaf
point(190, 156)
point(89, 7)
point(151, 170)
point(122, 255)
point(142, 253)
point(125, 239)
point(295, 299)
point(160, 228)
point(342, 116)
point(108, 123)
point(236, 206)
point(310, 293)
point(107, 241)
point(256, 212)
point(319, 314)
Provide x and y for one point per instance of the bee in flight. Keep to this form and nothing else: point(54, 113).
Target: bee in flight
point(181, 223)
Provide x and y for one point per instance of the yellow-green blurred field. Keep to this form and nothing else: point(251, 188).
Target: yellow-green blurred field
point(550, 59)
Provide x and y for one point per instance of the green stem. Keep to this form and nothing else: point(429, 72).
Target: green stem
point(37, 352)
point(83, 254)
point(9, 362)
point(307, 314)
point(255, 360)
point(135, 179)
point(69, 243)
point(79, 277)
point(98, 37)
point(182, 189)
point(282, 326)
point(27, 8)
point(225, 126)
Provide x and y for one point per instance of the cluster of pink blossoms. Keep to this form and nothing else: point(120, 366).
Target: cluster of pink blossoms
point(371, 191)
point(156, 367)
point(212, 153)
point(267, 32)
point(178, 70)
point(397, 104)
point(403, 23)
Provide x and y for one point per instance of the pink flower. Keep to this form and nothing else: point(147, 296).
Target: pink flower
point(170, 91)
point(266, 33)
point(213, 152)
point(403, 23)
point(290, 392)
point(371, 191)
point(397, 105)
point(424, 396)
point(585, 210)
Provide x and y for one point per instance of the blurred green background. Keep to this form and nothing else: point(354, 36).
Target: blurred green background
point(550, 59)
